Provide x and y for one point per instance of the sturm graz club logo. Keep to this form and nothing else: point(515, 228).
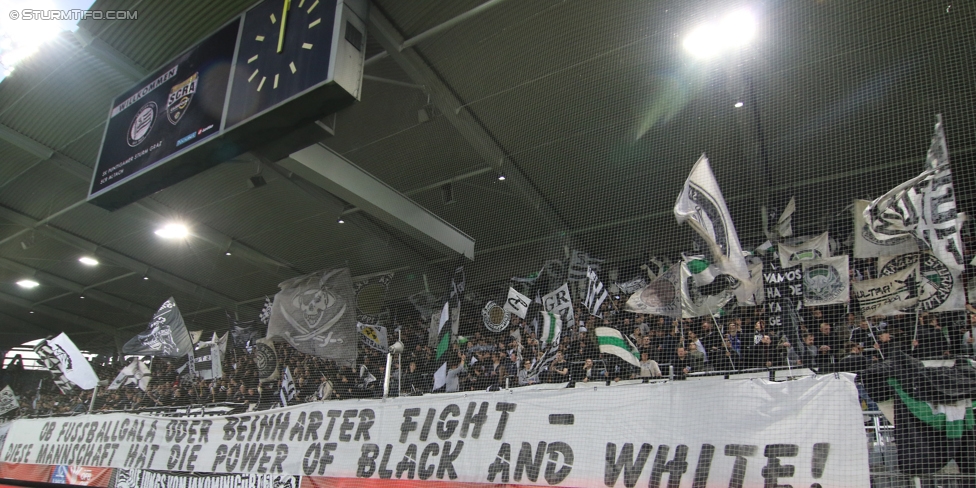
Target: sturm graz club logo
point(935, 283)
point(495, 318)
point(141, 124)
point(822, 283)
point(265, 359)
point(179, 98)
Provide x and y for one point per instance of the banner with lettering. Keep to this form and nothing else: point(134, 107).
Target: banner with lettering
point(807, 432)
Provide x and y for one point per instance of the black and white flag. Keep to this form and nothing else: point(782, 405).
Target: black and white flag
point(243, 333)
point(702, 205)
point(662, 296)
point(560, 301)
point(924, 206)
point(517, 303)
point(166, 336)
point(596, 294)
point(8, 401)
point(287, 390)
point(207, 361)
point(316, 314)
point(579, 263)
point(939, 285)
point(889, 294)
point(70, 362)
point(136, 373)
point(632, 286)
point(866, 245)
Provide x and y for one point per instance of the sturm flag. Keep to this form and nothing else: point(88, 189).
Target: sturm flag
point(701, 204)
point(825, 281)
point(631, 286)
point(316, 314)
point(207, 361)
point(815, 248)
point(166, 336)
point(552, 326)
point(939, 285)
point(136, 373)
point(287, 390)
point(889, 294)
point(596, 294)
point(72, 363)
point(517, 303)
point(924, 207)
point(660, 297)
point(443, 347)
point(611, 341)
point(868, 246)
point(371, 297)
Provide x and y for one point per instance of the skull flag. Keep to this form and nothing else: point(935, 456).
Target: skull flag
point(316, 314)
point(166, 336)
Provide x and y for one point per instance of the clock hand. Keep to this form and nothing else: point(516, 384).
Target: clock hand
point(284, 19)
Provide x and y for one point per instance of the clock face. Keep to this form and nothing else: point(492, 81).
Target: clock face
point(284, 49)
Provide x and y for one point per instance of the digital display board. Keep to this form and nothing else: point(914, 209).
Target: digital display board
point(169, 112)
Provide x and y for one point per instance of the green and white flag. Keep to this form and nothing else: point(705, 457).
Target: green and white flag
point(696, 304)
point(611, 341)
point(552, 326)
point(702, 271)
point(815, 248)
point(825, 281)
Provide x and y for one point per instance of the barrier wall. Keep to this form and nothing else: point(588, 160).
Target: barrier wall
point(730, 433)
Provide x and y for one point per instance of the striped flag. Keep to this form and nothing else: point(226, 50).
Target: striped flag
point(611, 341)
point(596, 294)
point(552, 325)
point(287, 390)
point(443, 345)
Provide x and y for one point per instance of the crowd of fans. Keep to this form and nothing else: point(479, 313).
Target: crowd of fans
point(827, 340)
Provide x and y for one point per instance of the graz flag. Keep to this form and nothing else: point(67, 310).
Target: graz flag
point(316, 314)
point(815, 248)
point(939, 286)
point(136, 373)
point(517, 303)
point(560, 302)
point(374, 336)
point(166, 336)
point(825, 281)
point(889, 294)
point(611, 341)
point(552, 326)
point(701, 204)
point(866, 245)
point(661, 297)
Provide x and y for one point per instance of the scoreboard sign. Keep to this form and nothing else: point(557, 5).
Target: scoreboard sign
point(171, 111)
point(259, 82)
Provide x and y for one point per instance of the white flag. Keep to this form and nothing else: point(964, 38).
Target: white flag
point(136, 373)
point(939, 285)
point(694, 303)
point(560, 301)
point(889, 294)
point(73, 364)
point(660, 297)
point(517, 303)
point(374, 336)
point(596, 294)
point(825, 281)
point(815, 248)
point(755, 275)
point(552, 326)
point(701, 204)
point(868, 246)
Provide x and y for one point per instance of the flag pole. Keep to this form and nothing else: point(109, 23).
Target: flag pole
point(720, 331)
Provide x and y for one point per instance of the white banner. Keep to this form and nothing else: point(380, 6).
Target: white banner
point(815, 248)
point(806, 432)
point(939, 286)
point(825, 281)
point(517, 303)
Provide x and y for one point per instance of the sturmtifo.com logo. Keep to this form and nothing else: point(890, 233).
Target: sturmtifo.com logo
point(72, 14)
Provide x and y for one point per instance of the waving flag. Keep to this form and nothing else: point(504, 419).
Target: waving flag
point(316, 314)
point(552, 326)
point(596, 294)
point(611, 341)
point(66, 363)
point(136, 373)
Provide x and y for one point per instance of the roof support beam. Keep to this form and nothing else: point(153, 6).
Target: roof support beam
point(461, 118)
point(25, 143)
point(340, 177)
point(61, 315)
point(119, 259)
point(8, 319)
point(44, 277)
